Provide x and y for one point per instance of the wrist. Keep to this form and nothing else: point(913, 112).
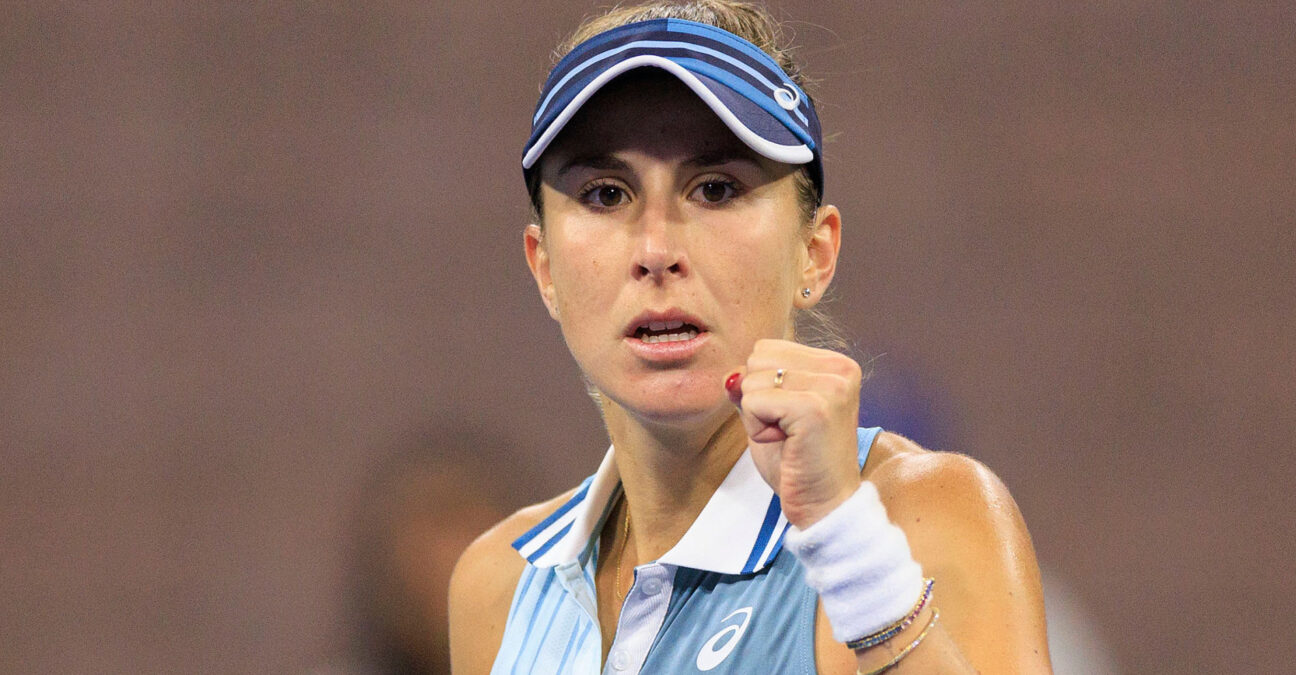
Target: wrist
point(860, 565)
point(804, 515)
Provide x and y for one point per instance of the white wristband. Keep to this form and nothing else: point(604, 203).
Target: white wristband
point(860, 565)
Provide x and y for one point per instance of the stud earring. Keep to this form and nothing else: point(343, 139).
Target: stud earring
point(805, 292)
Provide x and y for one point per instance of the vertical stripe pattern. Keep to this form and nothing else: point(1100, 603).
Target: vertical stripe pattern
point(550, 631)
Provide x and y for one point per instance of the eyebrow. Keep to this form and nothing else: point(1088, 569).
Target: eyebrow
point(717, 157)
point(600, 162)
point(610, 163)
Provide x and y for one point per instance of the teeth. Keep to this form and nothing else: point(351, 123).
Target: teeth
point(669, 337)
point(658, 326)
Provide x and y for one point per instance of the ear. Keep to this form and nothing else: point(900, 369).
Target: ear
point(538, 260)
point(821, 255)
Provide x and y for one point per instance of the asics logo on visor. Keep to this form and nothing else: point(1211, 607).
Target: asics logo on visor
point(786, 98)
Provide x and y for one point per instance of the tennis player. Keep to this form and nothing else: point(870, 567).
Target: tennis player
point(740, 522)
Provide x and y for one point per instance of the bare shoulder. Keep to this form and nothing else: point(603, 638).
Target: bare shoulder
point(945, 502)
point(967, 532)
point(908, 475)
point(482, 585)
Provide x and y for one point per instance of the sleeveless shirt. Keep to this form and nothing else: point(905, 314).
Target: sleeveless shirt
point(725, 599)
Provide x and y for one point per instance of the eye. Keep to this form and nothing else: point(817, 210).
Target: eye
point(715, 191)
point(605, 195)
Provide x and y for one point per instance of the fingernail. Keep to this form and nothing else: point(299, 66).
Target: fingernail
point(733, 387)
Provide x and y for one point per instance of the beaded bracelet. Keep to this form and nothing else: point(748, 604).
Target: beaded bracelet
point(904, 652)
point(894, 629)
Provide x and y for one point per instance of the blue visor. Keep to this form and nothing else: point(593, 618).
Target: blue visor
point(745, 88)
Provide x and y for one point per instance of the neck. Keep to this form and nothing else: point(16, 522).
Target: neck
point(669, 473)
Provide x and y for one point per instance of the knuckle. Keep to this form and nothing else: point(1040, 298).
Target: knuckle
point(839, 386)
point(817, 413)
point(848, 368)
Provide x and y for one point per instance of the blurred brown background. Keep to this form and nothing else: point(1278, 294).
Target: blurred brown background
point(253, 259)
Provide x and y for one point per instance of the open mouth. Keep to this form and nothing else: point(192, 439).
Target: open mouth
point(666, 331)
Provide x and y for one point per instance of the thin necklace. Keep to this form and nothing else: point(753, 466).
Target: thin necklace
point(625, 537)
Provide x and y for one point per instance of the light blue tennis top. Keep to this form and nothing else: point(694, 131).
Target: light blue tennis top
point(726, 599)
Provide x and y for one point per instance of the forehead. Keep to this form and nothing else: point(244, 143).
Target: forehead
point(646, 110)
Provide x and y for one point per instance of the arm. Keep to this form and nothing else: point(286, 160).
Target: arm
point(967, 533)
point(799, 407)
point(966, 530)
point(481, 591)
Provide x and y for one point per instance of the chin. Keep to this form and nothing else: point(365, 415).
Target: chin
point(673, 406)
point(677, 415)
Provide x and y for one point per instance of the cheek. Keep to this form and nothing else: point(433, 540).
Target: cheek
point(575, 276)
point(763, 276)
point(759, 267)
point(582, 289)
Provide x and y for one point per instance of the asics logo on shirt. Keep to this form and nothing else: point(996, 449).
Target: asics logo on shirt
point(710, 656)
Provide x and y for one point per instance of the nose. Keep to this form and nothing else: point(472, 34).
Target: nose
point(659, 251)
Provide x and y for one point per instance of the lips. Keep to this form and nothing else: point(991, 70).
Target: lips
point(666, 335)
point(664, 326)
point(666, 331)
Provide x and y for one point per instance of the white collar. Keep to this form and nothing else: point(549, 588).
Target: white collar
point(739, 531)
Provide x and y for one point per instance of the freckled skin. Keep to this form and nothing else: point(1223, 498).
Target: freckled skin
point(738, 264)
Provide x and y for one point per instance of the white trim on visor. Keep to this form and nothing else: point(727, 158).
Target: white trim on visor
point(788, 154)
point(673, 44)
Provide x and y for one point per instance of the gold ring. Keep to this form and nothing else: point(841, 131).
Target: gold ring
point(778, 377)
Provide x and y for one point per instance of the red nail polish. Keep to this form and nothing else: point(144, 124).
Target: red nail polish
point(732, 383)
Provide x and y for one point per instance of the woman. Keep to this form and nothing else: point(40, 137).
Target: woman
point(740, 522)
